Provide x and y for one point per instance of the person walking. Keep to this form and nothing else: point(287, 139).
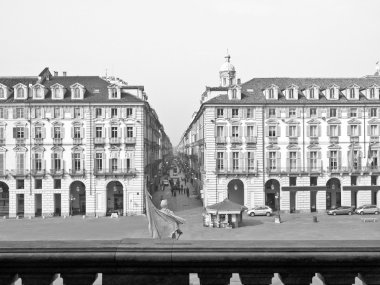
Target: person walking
point(181, 189)
point(187, 192)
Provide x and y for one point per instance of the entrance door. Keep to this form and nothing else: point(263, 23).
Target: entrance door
point(293, 201)
point(373, 197)
point(338, 199)
point(313, 201)
point(328, 200)
point(354, 200)
point(57, 204)
point(20, 204)
point(236, 191)
point(270, 200)
point(38, 205)
point(82, 204)
point(4, 200)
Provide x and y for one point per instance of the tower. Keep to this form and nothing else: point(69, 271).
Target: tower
point(227, 73)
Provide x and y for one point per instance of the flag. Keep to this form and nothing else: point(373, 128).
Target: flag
point(162, 223)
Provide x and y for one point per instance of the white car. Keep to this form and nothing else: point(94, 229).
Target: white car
point(166, 182)
point(367, 209)
point(260, 211)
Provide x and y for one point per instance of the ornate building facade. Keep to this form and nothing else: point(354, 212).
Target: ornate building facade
point(76, 145)
point(295, 144)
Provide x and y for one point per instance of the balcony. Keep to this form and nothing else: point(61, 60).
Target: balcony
point(294, 170)
point(149, 261)
point(77, 172)
point(273, 140)
point(57, 172)
point(293, 140)
point(77, 141)
point(374, 139)
point(314, 140)
point(220, 140)
point(38, 141)
point(57, 141)
point(19, 173)
point(99, 140)
point(115, 140)
point(130, 140)
point(235, 140)
point(251, 140)
point(355, 170)
point(240, 169)
point(38, 172)
point(20, 142)
point(2, 142)
point(354, 139)
point(124, 172)
point(334, 140)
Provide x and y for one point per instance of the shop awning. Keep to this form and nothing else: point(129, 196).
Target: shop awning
point(225, 207)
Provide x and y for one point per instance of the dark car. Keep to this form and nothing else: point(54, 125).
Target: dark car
point(343, 210)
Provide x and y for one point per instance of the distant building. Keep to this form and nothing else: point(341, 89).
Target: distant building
point(294, 144)
point(76, 145)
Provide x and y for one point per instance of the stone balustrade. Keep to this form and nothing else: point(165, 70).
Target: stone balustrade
point(146, 261)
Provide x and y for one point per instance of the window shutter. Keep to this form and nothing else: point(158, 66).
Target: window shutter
point(378, 112)
point(328, 112)
point(123, 112)
point(72, 132)
point(278, 155)
point(33, 113)
point(308, 159)
point(308, 113)
point(298, 111)
point(328, 130)
point(134, 129)
point(339, 130)
point(5, 113)
point(287, 161)
point(267, 159)
point(360, 130)
point(14, 113)
point(109, 132)
point(278, 112)
point(360, 159)
point(308, 130)
point(61, 113)
point(43, 132)
point(267, 113)
point(52, 161)
point(62, 132)
point(319, 162)
point(287, 112)
point(82, 161)
point(72, 162)
point(81, 113)
point(119, 134)
point(287, 131)
point(26, 130)
point(369, 130)
point(319, 112)
point(1, 162)
point(278, 132)
point(339, 112)
point(82, 133)
point(52, 132)
point(360, 112)
point(299, 160)
point(72, 112)
point(339, 159)
point(328, 154)
point(267, 132)
point(349, 130)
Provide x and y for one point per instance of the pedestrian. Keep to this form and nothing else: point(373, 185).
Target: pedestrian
point(172, 192)
point(181, 188)
point(187, 192)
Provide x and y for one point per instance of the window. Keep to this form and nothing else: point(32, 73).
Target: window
point(353, 112)
point(251, 161)
point(76, 93)
point(20, 162)
point(313, 160)
point(235, 113)
point(272, 160)
point(333, 161)
point(291, 93)
point(99, 132)
point(56, 93)
point(372, 93)
point(99, 162)
point(38, 184)
point(354, 130)
point(219, 112)
point(128, 160)
point(57, 112)
point(313, 181)
point(20, 132)
point(292, 112)
point(2, 113)
point(272, 113)
point(56, 161)
point(77, 166)
point(113, 112)
point(19, 183)
point(38, 132)
point(129, 132)
point(20, 92)
point(38, 112)
point(250, 113)
point(234, 94)
point(292, 181)
point(313, 131)
point(77, 112)
point(98, 112)
point(354, 180)
point(293, 160)
point(38, 92)
point(2, 95)
point(129, 112)
point(332, 112)
point(373, 130)
point(114, 93)
point(374, 180)
point(37, 162)
point(373, 159)
point(332, 93)
point(311, 93)
point(352, 93)
point(373, 112)
point(57, 183)
point(114, 164)
point(292, 131)
point(334, 131)
point(220, 160)
point(235, 160)
point(77, 132)
point(250, 131)
point(271, 93)
point(235, 131)
point(224, 81)
point(272, 131)
point(313, 112)
point(57, 132)
point(220, 131)
point(19, 113)
point(114, 132)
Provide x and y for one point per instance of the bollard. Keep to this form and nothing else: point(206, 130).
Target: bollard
point(315, 219)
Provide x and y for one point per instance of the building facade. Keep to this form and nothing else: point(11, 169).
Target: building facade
point(76, 145)
point(295, 144)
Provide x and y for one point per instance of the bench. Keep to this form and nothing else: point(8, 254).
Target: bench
point(365, 220)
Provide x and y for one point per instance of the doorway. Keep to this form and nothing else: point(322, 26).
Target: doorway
point(236, 191)
point(333, 194)
point(115, 198)
point(4, 199)
point(37, 205)
point(313, 201)
point(57, 204)
point(272, 194)
point(293, 201)
point(354, 199)
point(20, 205)
point(77, 198)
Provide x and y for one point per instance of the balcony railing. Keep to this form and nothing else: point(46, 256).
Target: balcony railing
point(20, 142)
point(314, 140)
point(221, 140)
point(115, 140)
point(99, 140)
point(57, 172)
point(38, 141)
point(130, 140)
point(235, 140)
point(77, 141)
point(354, 139)
point(294, 170)
point(77, 172)
point(334, 140)
point(2, 142)
point(374, 139)
point(293, 140)
point(149, 261)
point(251, 140)
point(242, 167)
point(38, 172)
point(352, 169)
point(115, 172)
point(19, 172)
point(57, 141)
point(273, 140)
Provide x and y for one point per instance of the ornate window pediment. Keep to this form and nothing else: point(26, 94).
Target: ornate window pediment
point(374, 121)
point(313, 122)
point(3, 149)
point(312, 93)
point(77, 91)
point(57, 91)
point(20, 149)
point(39, 91)
point(4, 92)
point(20, 91)
point(39, 123)
point(77, 149)
point(38, 149)
point(272, 122)
point(114, 91)
point(354, 121)
point(293, 147)
point(57, 124)
point(352, 92)
point(57, 149)
point(332, 92)
point(313, 147)
point(372, 92)
point(273, 147)
point(334, 147)
point(291, 92)
point(333, 121)
point(293, 122)
point(271, 92)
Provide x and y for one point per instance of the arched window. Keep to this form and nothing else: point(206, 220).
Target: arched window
point(371, 93)
point(77, 92)
point(234, 94)
point(1, 93)
point(271, 93)
point(311, 93)
point(332, 93)
point(114, 93)
point(20, 92)
point(352, 93)
point(38, 91)
point(56, 92)
point(291, 93)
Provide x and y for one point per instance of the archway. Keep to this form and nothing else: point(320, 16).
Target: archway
point(236, 191)
point(333, 194)
point(4, 199)
point(272, 194)
point(77, 198)
point(115, 198)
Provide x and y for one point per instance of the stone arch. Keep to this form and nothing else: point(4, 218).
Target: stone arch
point(333, 193)
point(235, 191)
point(272, 194)
point(77, 198)
point(115, 197)
point(4, 199)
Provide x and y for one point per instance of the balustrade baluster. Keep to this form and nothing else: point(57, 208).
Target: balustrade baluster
point(38, 278)
point(145, 279)
point(6, 279)
point(370, 278)
point(214, 278)
point(78, 279)
point(261, 278)
point(338, 278)
point(297, 278)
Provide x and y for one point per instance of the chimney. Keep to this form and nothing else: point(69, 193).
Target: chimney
point(64, 73)
point(238, 81)
point(55, 73)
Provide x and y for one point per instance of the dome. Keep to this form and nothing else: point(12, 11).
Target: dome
point(227, 66)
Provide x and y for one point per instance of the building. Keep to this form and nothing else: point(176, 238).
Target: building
point(295, 144)
point(76, 145)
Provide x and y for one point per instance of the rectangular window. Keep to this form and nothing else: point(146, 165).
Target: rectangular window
point(354, 130)
point(234, 96)
point(333, 160)
point(77, 166)
point(313, 160)
point(113, 112)
point(271, 93)
point(272, 160)
point(2, 113)
point(57, 183)
point(373, 112)
point(272, 131)
point(373, 159)
point(311, 93)
point(20, 132)
point(250, 131)
point(76, 113)
point(373, 130)
point(291, 94)
point(235, 113)
point(38, 112)
point(57, 132)
point(37, 161)
point(251, 161)
point(353, 180)
point(220, 161)
point(353, 112)
point(99, 132)
point(38, 132)
point(57, 112)
point(372, 93)
point(313, 112)
point(333, 130)
point(293, 181)
point(292, 112)
point(235, 131)
point(332, 93)
point(77, 133)
point(129, 132)
point(98, 112)
point(250, 113)
point(114, 132)
point(313, 181)
point(292, 131)
point(235, 160)
point(99, 161)
point(219, 112)
point(19, 183)
point(352, 93)
point(19, 113)
point(128, 164)
point(293, 160)
point(313, 131)
point(114, 164)
point(332, 112)
point(38, 184)
point(220, 131)
point(272, 113)
point(57, 161)
point(129, 112)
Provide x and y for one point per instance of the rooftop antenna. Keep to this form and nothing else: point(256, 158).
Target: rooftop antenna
point(227, 57)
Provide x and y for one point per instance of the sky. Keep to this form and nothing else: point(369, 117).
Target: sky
point(175, 48)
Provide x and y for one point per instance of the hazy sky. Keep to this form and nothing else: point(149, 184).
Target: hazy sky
point(175, 48)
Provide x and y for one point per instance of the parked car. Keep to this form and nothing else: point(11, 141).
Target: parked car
point(367, 209)
point(343, 210)
point(260, 211)
point(166, 182)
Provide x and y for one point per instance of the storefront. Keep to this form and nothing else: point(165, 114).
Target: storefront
point(313, 191)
